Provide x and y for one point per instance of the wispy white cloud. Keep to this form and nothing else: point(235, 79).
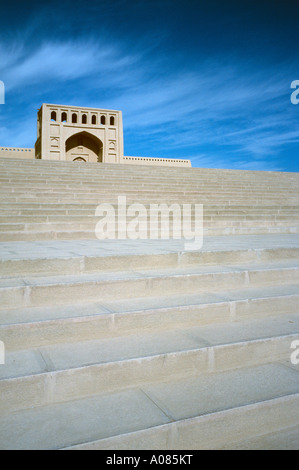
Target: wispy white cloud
point(65, 62)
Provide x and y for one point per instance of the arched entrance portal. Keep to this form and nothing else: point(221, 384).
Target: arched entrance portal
point(84, 147)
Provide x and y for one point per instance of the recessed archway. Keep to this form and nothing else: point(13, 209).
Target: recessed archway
point(84, 146)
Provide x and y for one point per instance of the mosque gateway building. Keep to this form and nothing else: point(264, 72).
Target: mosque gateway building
point(79, 134)
point(72, 133)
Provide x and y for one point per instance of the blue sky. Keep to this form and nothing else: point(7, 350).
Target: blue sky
point(208, 80)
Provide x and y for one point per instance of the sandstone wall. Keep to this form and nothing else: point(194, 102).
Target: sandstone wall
point(12, 152)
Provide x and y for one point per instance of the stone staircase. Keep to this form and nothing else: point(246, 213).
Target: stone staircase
point(57, 200)
point(123, 344)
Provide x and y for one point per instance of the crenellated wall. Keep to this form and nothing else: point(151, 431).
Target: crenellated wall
point(14, 152)
point(156, 161)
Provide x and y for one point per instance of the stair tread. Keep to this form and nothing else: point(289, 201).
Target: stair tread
point(144, 344)
point(106, 415)
point(142, 304)
point(288, 265)
point(285, 439)
point(63, 248)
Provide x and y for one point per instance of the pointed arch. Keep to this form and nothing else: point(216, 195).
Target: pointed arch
point(84, 145)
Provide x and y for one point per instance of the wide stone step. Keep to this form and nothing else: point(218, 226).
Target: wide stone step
point(30, 221)
point(43, 165)
point(35, 327)
point(177, 216)
point(164, 190)
point(155, 172)
point(67, 224)
point(68, 185)
point(101, 191)
point(54, 259)
point(59, 373)
point(286, 439)
point(86, 215)
point(107, 286)
point(84, 179)
point(20, 235)
point(36, 206)
point(89, 209)
point(216, 431)
point(133, 188)
point(71, 185)
point(153, 199)
point(178, 414)
point(144, 181)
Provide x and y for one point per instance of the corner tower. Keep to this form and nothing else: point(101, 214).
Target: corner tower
point(79, 134)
